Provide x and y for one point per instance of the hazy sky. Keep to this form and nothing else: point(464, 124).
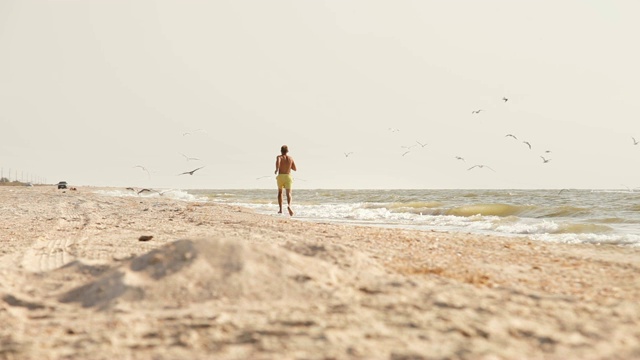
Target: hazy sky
point(91, 89)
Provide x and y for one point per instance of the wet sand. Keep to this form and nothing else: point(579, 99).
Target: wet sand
point(215, 281)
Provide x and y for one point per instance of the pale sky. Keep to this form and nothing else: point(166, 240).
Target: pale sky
point(91, 89)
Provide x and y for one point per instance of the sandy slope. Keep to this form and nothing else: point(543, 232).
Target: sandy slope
point(222, 282)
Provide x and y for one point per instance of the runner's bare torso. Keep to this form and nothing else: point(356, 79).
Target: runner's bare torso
point(284, 164)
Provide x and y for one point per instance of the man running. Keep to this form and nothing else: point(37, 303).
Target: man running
point(284, 165)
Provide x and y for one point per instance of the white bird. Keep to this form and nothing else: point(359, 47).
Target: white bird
point(511, 135)
point(406, 153)
point(191, 172)
point(545, 160)
point(189, 158)
point(481, 166)
point(348, 153)
point(529, 145)
point(635, 142)
point(476, 111)
point(460, 158)
point(421, 144)
point(505, 99)
point(143, 169)
point(189, 133)
point(394, 129)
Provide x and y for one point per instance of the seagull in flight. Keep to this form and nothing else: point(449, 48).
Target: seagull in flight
point(511, 135)
point(189, 133)
point(192, 171)
point(189, 158)
point(481, 166)
point(143, 169)
point(153, 190)
point(406, 153)
point(545, 160)
point(476, 111)
point(635, 142)
point(394, 129)
point(529, 145)
point(460, 158)
point(505, 99)
point(421, 144)
point(348, 153)
point(408, 146)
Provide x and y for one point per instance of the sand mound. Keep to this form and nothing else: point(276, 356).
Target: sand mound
point(192, 271)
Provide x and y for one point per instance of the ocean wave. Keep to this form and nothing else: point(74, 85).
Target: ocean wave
point(167, 193)
point(563, 211)
point(415, 207)
point(502, 210)
point(488, 210)
point(612, 220)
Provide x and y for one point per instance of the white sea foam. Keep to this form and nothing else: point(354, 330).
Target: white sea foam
point(589, 238)
point(552, 229)
point(166, 193)
point(575, 217)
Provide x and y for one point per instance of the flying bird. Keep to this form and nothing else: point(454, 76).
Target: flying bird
point(545, 160)
point(481, 166)
point(408, 146)
point(421, 144)
point(189, 133)
point(460, 158)
point(192, 171)
point(348, 153)
point(406, 153)
point(394, 129)
point(635, 142)
point(510, 135)
point(505, 99)
point(143, 169)
point(189, 158)
point(529, 145)
point(476, 111)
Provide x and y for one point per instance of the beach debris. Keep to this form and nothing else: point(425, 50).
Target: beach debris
point(145, 238)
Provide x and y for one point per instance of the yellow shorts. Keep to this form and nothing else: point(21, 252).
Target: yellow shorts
point(284, 181)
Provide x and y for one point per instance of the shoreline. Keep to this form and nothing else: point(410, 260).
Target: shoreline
point(74, 272)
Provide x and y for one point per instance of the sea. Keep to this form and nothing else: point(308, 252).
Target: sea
point(573, 216)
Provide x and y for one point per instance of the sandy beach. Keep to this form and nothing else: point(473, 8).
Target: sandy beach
point(212, 281)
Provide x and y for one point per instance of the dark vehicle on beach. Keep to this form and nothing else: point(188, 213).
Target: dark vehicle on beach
point(62, 185)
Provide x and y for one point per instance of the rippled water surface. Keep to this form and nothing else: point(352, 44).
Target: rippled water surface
point(571, 216)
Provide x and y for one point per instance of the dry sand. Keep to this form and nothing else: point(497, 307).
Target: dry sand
point(220, 282)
